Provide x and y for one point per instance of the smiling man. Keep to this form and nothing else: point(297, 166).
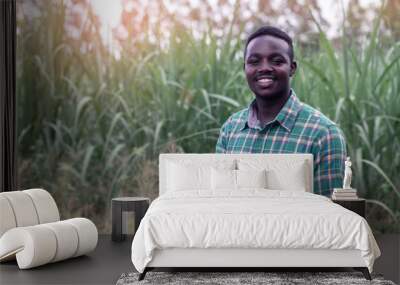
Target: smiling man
point(276, 121)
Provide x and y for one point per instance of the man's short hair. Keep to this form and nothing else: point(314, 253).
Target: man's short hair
point(273, 32)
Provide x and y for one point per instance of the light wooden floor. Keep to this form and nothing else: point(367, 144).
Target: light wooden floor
point(110, 260)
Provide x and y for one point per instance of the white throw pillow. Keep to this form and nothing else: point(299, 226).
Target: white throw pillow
point(181, 177)
point(227, 179)
point(193, 174)
point(223, 179)
point(293, 179)
point(251, 178)
point(281, 175)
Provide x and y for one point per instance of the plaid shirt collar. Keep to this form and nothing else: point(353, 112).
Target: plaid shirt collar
point(286, 116)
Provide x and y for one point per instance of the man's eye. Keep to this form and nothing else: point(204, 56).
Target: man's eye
point(252, 61)
point(277, 61)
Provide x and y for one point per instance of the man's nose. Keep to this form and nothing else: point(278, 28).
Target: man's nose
point(265, 65)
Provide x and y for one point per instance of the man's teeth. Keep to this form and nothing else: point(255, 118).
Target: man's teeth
point(264, 80)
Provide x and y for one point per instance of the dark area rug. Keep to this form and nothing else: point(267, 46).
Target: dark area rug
point(225, 278)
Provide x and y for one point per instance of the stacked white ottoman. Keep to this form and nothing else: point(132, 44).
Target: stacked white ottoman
point(31, 230)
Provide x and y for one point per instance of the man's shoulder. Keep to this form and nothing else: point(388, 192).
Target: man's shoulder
point(316, 116)
point(237, 118)
point(240, 115)
point(318, 120)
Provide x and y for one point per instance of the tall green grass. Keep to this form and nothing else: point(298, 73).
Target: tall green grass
point(359, 89)
point(91, 126)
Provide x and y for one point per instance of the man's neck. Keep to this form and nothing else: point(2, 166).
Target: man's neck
point(268, 108)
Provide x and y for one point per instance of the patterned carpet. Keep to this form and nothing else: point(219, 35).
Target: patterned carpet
point(243, 278)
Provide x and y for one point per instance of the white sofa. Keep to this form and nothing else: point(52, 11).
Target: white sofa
point(31, 231)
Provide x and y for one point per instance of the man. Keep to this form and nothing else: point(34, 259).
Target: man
point(276, 121)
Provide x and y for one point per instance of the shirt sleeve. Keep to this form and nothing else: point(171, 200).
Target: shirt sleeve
point(329, 162)
point(222, 142)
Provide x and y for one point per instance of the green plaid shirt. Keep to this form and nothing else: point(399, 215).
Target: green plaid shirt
point(298, 128)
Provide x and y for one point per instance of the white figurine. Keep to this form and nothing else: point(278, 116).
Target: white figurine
point(347, 174)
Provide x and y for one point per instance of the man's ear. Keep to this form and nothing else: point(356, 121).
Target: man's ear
point(293, 68)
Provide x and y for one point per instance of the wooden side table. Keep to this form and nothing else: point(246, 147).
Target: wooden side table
point(139, 205)
point(357, 205)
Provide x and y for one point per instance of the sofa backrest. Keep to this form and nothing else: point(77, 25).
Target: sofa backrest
point(285, 170)
point(26, 208)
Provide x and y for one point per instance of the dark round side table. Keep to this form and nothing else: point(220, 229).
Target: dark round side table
point(121, 205)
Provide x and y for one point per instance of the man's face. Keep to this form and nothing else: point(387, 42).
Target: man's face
point(268, 67)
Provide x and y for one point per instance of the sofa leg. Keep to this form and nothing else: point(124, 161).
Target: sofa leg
point(364, 271)
point(143, 274)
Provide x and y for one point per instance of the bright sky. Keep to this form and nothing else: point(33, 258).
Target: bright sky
point(110, 15)
point(110, 12)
